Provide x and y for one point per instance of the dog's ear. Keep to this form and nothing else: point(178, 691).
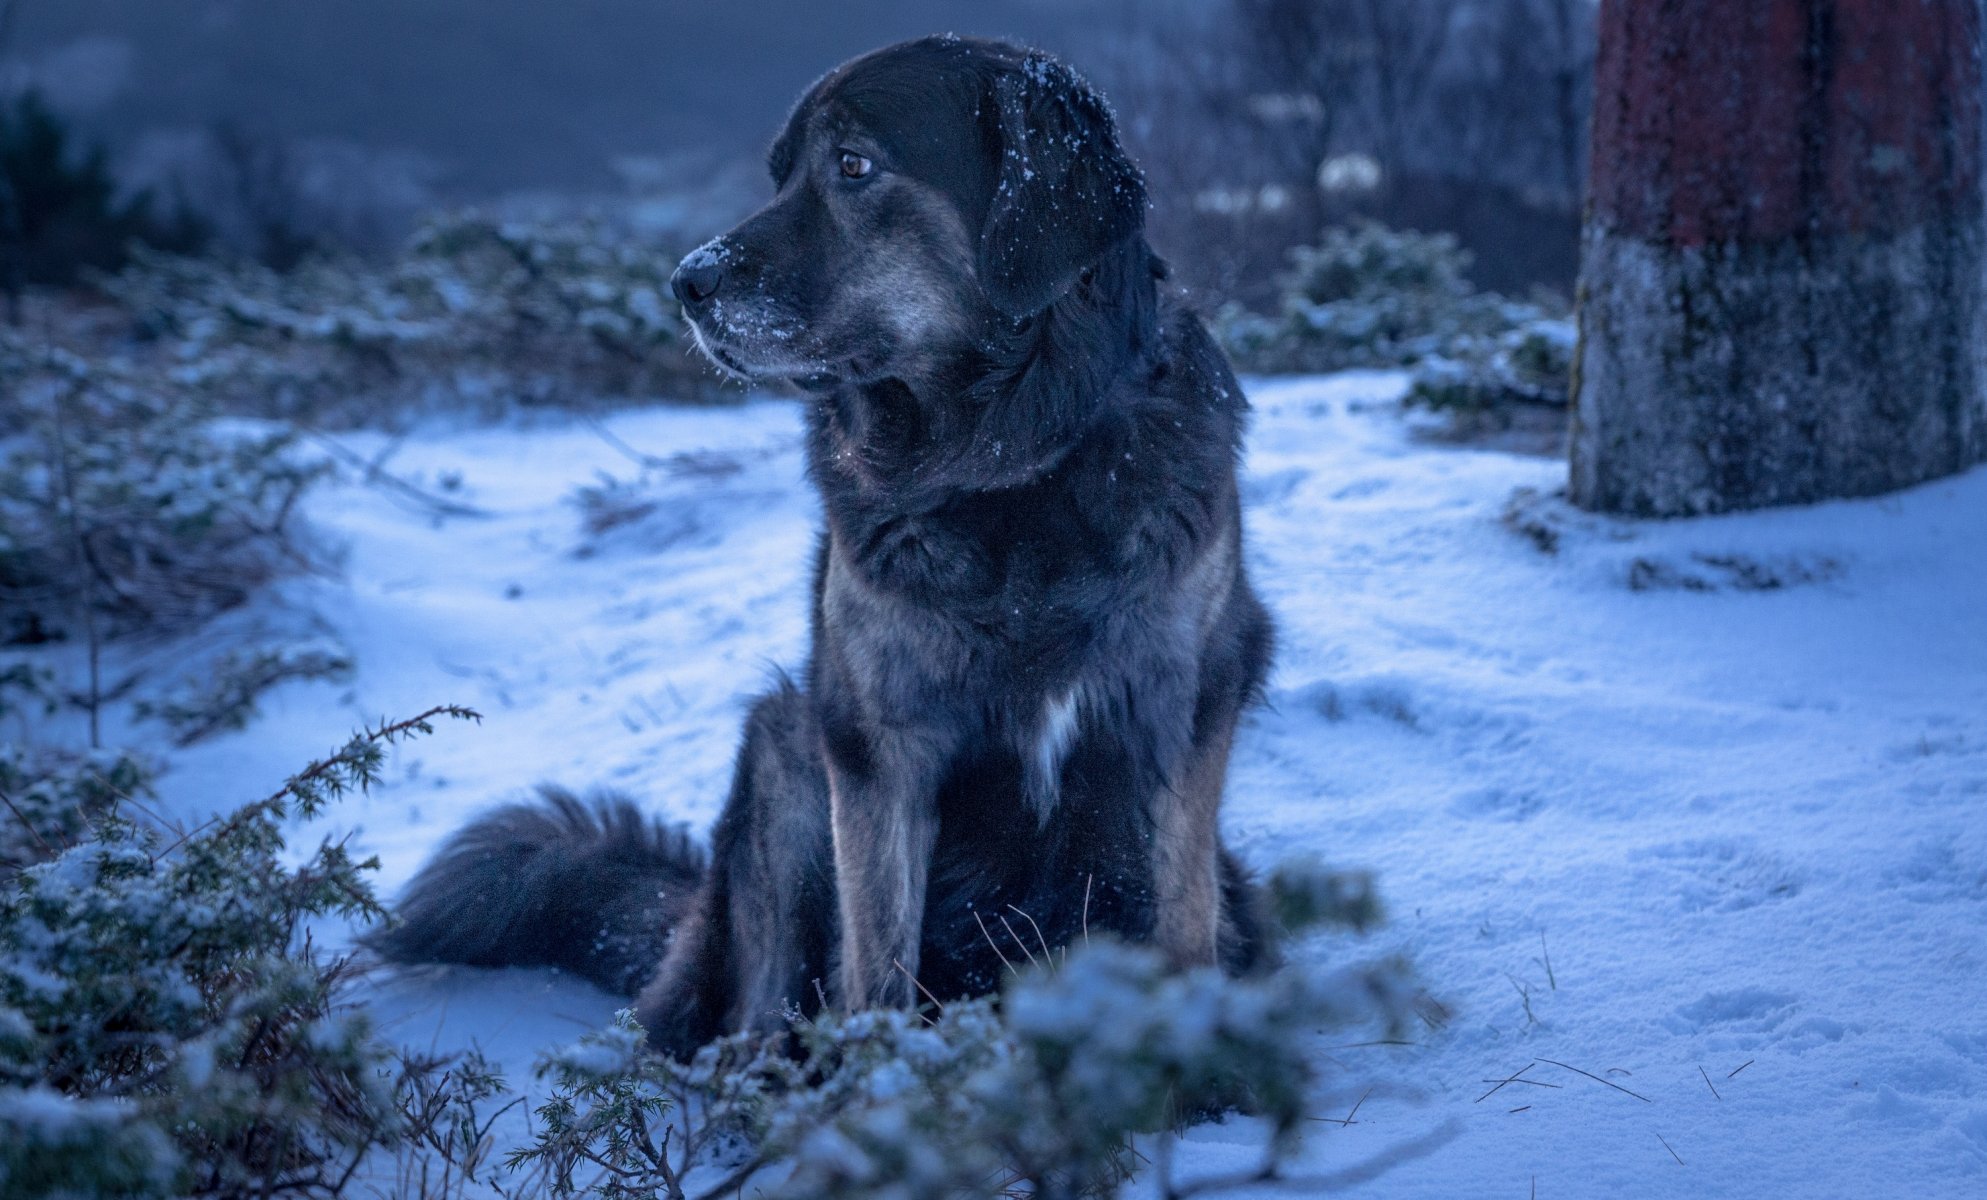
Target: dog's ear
point(1064, 192)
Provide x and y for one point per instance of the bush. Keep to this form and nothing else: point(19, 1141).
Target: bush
point(1039, 1092)
point(1369, 296)
point(128, 505)
point(167, 1027)
point(476, 310)
point(53, 797)
point(1529, 364)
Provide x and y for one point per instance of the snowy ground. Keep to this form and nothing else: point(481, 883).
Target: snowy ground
point(1730, 774)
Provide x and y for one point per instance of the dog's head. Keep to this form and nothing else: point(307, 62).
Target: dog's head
point(930, 196)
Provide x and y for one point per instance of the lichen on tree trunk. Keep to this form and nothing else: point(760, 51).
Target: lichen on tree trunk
point(1781, 291)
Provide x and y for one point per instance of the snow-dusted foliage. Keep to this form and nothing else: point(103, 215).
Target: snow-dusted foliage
point(166, 1027)
point(124, 502)
point(476, 309)
point(52, 796)
point(1530, 363)
point(1040, 1091)
point(1369, 296)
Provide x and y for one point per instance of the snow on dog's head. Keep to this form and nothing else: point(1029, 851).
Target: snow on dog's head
point(931, 196)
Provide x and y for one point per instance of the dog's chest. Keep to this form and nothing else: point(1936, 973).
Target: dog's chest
point(941, 626)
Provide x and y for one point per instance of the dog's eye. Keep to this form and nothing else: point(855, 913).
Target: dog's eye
point(855, 166)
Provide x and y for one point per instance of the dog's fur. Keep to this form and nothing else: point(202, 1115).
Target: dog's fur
point(1032, 631)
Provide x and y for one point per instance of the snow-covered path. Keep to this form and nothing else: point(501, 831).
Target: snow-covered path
point(1730, 774)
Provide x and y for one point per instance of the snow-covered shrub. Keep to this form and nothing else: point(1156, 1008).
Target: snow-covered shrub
point(1040, 1091)
point(1369, 296)
point(476, 310)
point(52, 797)
point(128, 503)
point(166, 1026)
point(1531, 363)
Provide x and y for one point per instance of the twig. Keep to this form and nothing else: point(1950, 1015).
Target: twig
point(640, 458)
point(1597, 1079)
point(1742, 1066)
point(373, 473)
point(28, 825)
point(1520, 1108)
point(324, 766)
point(736, 1181)
point(1524, 997)
point(1512, 1078)
point(1351, 1176)
point(1345, 1120)
point(1707, 1083)
point(1374, 1042)
point(1671, 1149)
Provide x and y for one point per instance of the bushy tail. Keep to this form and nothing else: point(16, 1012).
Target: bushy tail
point(589, 888)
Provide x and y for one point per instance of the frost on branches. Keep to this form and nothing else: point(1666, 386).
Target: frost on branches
point(167, 1027)
point(476, 310)
point(1044, 1091)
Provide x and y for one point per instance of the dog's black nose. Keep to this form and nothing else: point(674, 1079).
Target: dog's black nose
point(697, 279)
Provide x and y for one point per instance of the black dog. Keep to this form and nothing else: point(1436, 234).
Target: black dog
point(1032, 633)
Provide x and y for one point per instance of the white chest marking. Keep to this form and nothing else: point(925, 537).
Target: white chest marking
point(1052, 742)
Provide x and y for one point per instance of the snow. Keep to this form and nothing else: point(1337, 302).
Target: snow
point(1727, 774)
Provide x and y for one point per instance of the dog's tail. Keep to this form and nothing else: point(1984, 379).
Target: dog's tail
point(592, 889)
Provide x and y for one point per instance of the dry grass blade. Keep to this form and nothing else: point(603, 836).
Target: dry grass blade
point(990, 941)
point(1670, 1148)
point(1742, 1066)
point(1707, 1083)
point(1017, 941)
point(1044, 942)
point(1087, 881)
point(922, 989)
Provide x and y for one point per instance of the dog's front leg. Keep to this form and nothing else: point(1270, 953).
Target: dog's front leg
point(885, 815)
point(1187, 855)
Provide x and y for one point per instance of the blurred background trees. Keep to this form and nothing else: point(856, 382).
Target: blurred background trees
point(290, 126)
point(1339, 183)
point(1261, 121)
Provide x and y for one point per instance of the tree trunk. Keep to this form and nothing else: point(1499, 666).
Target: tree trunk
point(1781, 289)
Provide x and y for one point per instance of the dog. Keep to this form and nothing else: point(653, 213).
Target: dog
point(1032, 630)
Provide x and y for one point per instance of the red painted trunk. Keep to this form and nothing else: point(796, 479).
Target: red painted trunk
point(1781, 294)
